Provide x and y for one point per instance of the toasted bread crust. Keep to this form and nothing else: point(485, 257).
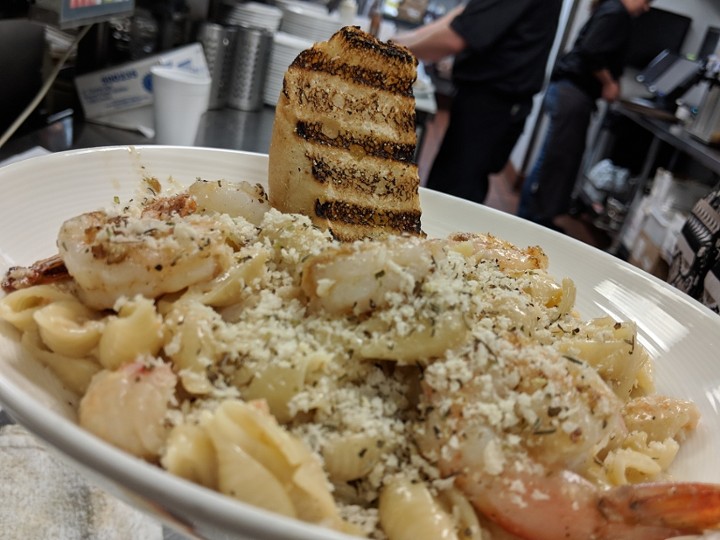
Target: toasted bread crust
point(344, 138)
point(365, 61)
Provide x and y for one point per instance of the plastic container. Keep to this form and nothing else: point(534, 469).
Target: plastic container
point(348, 11)
point(181, 98)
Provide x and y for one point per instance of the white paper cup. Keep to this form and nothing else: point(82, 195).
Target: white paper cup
point(180, 99)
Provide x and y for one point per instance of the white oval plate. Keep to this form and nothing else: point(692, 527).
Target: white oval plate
point(682, 336)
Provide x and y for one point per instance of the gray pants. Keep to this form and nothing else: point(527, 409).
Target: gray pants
point(548, 189)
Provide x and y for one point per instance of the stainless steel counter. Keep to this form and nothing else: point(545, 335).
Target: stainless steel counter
point(223, 128)
point(226, 128)
point(239, 130)
point(676, 136)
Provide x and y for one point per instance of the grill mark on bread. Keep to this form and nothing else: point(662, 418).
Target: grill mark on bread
point(315, 60)
point(355, 214)
point(358, 180)
point(372, 146)
point(344, 140)
point(323, 100)
point(355, 37)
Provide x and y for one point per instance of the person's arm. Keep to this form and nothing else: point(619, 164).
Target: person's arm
point(606, 37)
point(610, 87)
point(434, 41)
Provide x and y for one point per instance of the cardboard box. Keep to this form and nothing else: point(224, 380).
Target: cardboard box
point(647, 255)
point(711, 288)
point(129, 86)
point(655, 240)
point(634, 222)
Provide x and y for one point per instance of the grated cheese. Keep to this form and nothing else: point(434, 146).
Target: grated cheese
point(459, 362)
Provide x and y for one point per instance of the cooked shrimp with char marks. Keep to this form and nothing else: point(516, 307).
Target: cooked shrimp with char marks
point(114, 256)
point(158, 245)
point(44, 271)
point(357, 277)
point(233, 198)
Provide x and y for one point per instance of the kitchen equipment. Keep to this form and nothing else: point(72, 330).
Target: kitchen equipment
point(706, 125)
point(252, 52)
point(219, 44)
point(285, 48)
point(254, 14)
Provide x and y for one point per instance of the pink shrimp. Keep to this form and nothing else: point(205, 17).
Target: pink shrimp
point(114, 256)
point(510, 258)
point(563, 504)
point(514, 434)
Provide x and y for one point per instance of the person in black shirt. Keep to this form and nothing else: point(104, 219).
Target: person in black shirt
point(588, 72)
point(501, 49)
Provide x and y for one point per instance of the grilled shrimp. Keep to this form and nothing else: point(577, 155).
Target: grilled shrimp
point(356, 278)
point(517, 430)
point(547, 505)
point(114, 256)
point(164, 245)
point(232, 198)
point(510, 258)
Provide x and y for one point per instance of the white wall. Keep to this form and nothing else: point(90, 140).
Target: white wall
point(518, 156)
point(704, 13)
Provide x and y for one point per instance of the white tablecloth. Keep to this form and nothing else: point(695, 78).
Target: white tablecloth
point(42, 497)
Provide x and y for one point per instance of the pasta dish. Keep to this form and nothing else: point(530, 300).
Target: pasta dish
point(403, 388)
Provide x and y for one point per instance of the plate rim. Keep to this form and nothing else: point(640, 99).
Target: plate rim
point(221, 509)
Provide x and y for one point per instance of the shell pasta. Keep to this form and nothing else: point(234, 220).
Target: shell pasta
point(368, 387)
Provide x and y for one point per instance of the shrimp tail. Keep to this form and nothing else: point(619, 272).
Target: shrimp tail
point(691, 507)
point(50, 270)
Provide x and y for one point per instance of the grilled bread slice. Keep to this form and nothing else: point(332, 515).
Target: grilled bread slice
point(343, 141)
